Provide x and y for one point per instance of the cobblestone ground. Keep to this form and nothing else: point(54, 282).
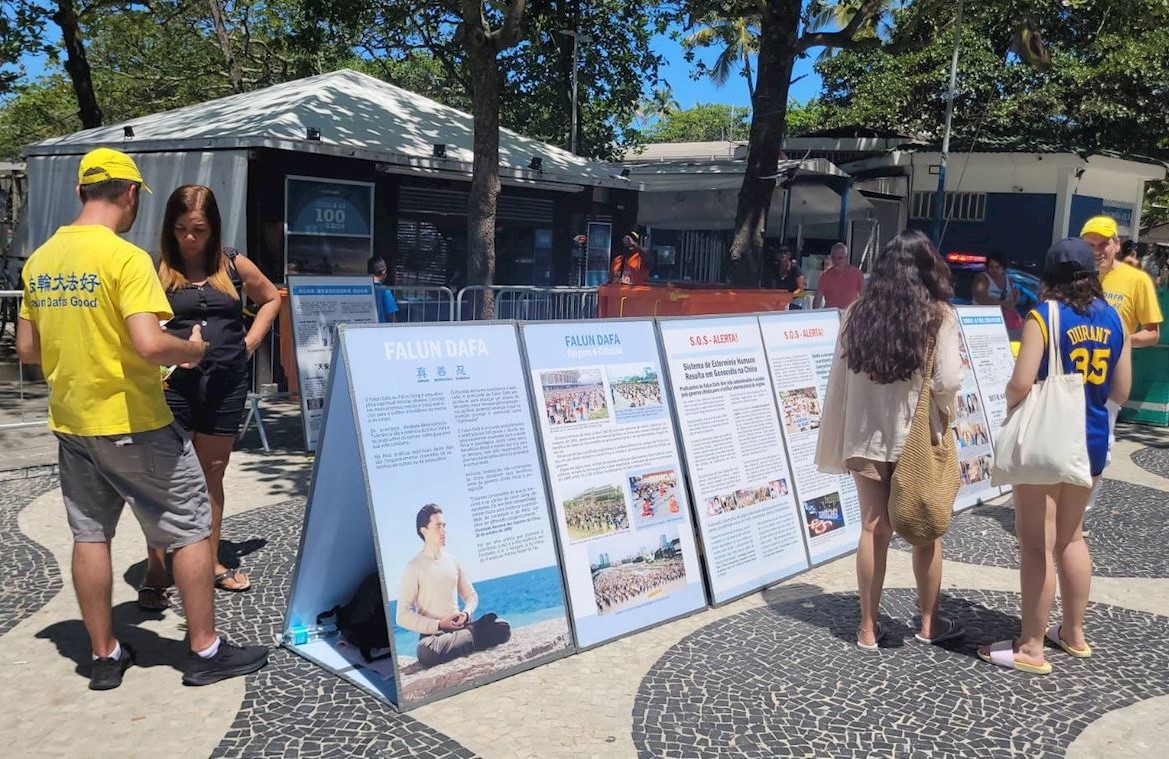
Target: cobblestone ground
point(29, 575)
point(773, 675)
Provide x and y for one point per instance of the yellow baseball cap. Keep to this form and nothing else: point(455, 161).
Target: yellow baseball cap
point(104, 164)
point(1105, 226)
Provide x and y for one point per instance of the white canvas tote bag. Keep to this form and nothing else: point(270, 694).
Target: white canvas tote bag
point(1044, 440)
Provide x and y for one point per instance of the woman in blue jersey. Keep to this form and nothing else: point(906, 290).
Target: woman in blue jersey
point(1049, 519)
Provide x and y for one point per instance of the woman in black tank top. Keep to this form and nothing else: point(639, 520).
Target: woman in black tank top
point(204, 282)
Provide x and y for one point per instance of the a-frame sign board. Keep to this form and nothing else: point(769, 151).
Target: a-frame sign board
point(428, 475)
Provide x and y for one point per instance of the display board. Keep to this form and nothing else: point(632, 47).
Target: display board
point(988, 354)
point(744, 501)
point(328, 225)
point(973, 430)
point(800, 347)
point(429, 476)
point(318, 305)
point(619, 497)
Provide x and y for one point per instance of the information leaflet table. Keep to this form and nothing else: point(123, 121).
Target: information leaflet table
point(744, 500)
point(800, 347)
point(619, 496)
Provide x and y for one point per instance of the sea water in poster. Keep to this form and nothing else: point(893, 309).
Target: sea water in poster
point(800, 347)
point(461, 515)
point(745, 504)
point(972, 425)
point(318, 305)
point(619, 495)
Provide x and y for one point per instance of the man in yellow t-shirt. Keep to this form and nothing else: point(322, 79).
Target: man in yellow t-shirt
point(90, 316)
point(1128, 289)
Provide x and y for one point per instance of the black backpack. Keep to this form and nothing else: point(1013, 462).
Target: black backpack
point(362, 621)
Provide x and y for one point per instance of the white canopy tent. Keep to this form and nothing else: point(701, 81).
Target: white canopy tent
point(351, 115)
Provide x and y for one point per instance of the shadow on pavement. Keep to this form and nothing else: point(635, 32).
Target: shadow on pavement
point(839, 615)
point(150, 649)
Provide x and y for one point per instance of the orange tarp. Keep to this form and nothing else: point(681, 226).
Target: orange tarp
point(675, 300)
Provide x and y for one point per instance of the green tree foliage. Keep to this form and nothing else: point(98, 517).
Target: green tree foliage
point(146, 60)
point(1107, 87)
point(702, 123)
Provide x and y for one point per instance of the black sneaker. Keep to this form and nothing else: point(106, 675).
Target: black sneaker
point(107, 672)
point(229, 661)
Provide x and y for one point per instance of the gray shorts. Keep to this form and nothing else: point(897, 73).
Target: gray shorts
point(156, 472)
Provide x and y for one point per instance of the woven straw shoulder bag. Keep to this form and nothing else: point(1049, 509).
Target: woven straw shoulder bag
point(925, 482)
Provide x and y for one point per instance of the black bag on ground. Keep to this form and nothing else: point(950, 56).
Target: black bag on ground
point(362, 621)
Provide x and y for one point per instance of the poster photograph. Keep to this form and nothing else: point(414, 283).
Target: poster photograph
point(629, 572)
point(988, 348)
point(747, 513)
point(621, 507)
point(318, 305)
point(972, 426)
point(461, 517)
point(800, 346)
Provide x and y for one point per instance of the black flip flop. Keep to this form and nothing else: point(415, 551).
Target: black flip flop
point(153, 598)
point(953, 632)
point(219, 578)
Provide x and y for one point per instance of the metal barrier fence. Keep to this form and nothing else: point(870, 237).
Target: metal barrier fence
point(28, 390)
point(425, 304)
point(529, 303)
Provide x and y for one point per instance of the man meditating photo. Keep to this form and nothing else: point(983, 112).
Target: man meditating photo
point(428, 604)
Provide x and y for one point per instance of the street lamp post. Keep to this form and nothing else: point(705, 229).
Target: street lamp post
point(940, 197)
point(577, 38)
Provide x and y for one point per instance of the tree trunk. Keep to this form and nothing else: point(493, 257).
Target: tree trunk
point(777, 51)
point(77, 65)
point(233, 72)
point(485, 88)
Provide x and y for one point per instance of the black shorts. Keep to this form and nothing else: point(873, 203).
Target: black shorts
point(210, 403)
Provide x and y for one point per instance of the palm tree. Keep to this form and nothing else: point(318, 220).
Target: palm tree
point(658, 106)
point(830, 16)
point(739, 39)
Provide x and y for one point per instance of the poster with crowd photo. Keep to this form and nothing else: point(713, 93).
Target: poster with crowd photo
point(468, 561)
point(972, 413)
point(745, 504)
point(318, 305)
point(618, 489)
point(989, 353)
point(800, 347)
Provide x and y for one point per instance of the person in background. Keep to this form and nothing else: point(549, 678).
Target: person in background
point(1130, 291)
point(90, 316)
point(387, 307)
point(873, 388)
point(203, 279)
point(840, 285)
point(1049, 519)
point(993, 287)
point(1151, 264)
point(1129, 255)
point(632, 266)
point(788, 277)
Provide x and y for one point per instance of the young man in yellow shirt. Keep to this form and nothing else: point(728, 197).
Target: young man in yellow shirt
point(90, 316)
point(1127, 289)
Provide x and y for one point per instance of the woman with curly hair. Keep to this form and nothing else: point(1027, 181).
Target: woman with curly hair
point(877, 377)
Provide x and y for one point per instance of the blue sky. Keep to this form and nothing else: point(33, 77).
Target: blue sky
point(687, 90)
